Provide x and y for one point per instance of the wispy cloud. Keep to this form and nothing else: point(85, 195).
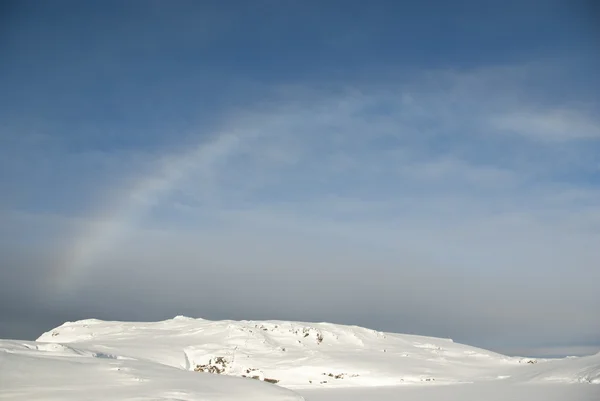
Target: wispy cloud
point(549, 125)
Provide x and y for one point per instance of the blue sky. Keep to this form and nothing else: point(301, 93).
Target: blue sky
point(427, 167)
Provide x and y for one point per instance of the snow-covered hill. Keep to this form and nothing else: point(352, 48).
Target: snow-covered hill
point(186, 358)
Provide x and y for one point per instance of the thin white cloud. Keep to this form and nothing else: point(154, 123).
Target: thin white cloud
point(445, 169)
point(558, 125)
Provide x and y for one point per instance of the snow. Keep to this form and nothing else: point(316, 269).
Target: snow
point(197, 359)
point(31, 372)
point(471, 392)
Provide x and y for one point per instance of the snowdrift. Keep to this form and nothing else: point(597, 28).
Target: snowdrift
point(34, 371)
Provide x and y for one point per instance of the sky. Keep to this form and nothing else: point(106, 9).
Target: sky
point(426, 167)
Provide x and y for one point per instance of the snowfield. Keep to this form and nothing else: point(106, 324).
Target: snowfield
point(196, 359)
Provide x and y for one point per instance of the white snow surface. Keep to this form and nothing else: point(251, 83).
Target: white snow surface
point(171, 360)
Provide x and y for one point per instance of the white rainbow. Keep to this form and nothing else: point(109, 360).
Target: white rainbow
point(115, 222)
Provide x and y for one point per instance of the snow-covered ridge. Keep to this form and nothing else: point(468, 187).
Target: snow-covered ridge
point(190, 359)
point(297, 354)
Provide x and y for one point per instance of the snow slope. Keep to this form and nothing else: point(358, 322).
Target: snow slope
point(38, 371)
point(93, 359)
point(489, 391)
